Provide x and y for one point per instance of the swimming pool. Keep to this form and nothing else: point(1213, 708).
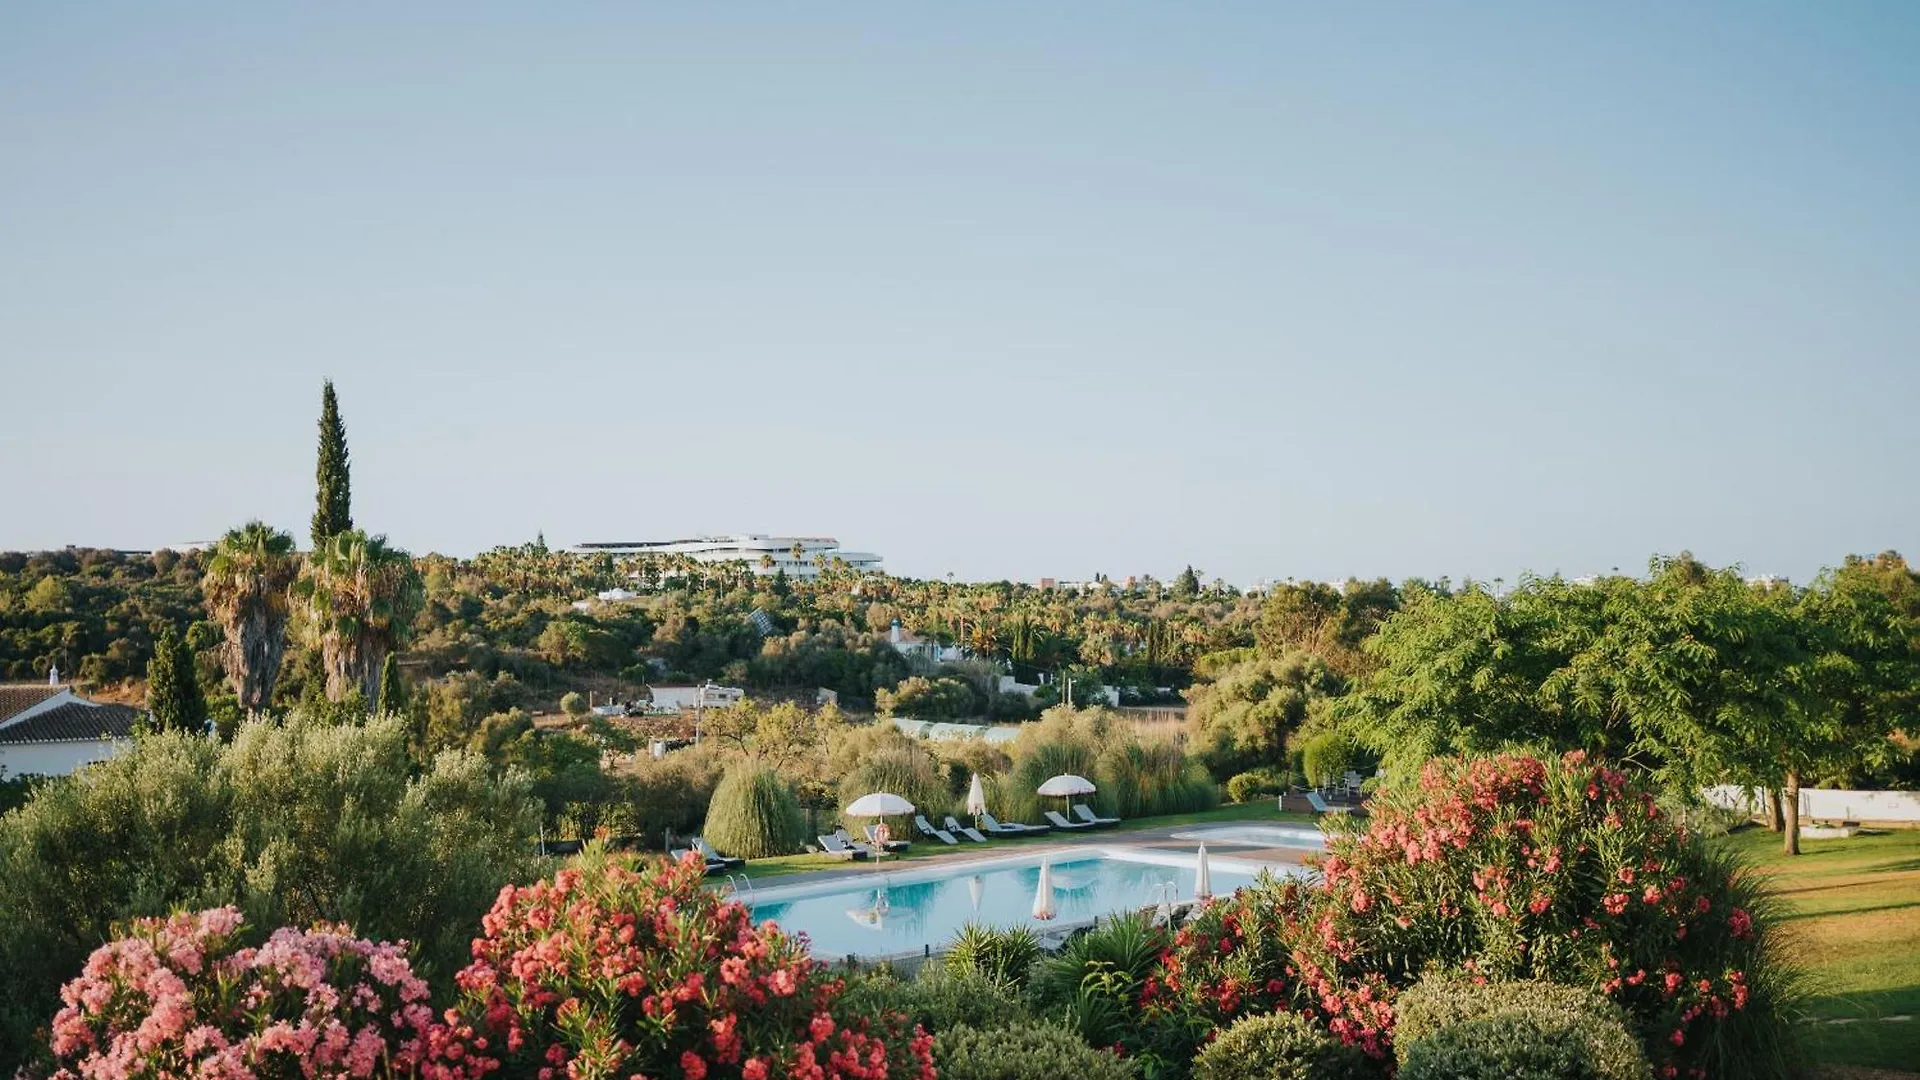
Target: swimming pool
point(876, 913)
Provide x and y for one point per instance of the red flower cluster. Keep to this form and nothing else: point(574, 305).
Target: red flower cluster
point(638, 971)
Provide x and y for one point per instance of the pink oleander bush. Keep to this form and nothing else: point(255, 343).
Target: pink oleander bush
point(629, 969)
point(182, 997)
point(1560, 869)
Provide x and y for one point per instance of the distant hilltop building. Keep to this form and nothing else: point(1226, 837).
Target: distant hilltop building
point(799, 556)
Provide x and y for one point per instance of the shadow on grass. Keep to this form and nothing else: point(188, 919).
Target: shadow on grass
point(1835, 912)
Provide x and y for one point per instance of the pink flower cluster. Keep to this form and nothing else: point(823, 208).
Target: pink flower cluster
point(179, 997)
point(637, 971)
point(1518, 866)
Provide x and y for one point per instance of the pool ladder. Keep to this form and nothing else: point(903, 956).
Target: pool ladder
point(1161, 898)
point(734, 881)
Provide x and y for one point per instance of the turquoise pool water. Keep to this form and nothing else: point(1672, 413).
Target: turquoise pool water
point(874, 913)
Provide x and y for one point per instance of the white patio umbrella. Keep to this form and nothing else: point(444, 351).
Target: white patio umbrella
point(878, 804)
point(1043, 896)
point(975, 889)
point(1202, 878)
point(976, 797)
point(1066, 786)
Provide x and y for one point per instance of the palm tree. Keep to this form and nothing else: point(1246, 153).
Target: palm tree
point(246, 591)
point(361, 597)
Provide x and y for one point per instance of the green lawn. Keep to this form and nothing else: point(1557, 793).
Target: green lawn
point(1852, 913)
point(925, 851)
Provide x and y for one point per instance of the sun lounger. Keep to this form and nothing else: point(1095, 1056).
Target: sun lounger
point(1321, 806)
point(712, 867)
point(838, 848)
point(926, 829)
point(1062, 823)
point(706, 851)
point(953, 826)
point(1087, 816)
point(1016, 828)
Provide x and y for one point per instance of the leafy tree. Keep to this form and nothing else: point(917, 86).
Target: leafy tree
point(1241, 719)
point(777, 735)
point(333, 496)
point(246, 587)
point(361, 597)
point(174, 697)
point(1187, 585)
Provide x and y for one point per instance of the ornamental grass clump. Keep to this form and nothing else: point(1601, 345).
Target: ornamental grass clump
point(181, 997)
point(1554, 869)
point(754, 814)
point(626, 969)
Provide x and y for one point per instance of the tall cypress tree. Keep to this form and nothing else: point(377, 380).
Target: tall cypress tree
point(173, 686)
point(393, 691)
point(332, 512)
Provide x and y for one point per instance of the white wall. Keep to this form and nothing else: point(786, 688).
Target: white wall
point(56, 759)
point(1824, 804)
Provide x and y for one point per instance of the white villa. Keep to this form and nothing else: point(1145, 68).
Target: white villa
point(46, 729)
point(764, 555)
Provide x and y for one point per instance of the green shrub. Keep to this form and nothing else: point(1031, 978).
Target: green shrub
point(1255, 784)
point(1006, 955)
point(1032, 1051)
point(938, 1000)
point(754, 815)
point(1593, 1026)
point(1280, 1046)
point(1506, 1047)
point(1328, 758)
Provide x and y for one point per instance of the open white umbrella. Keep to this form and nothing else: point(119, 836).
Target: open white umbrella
point(1043, 896)
point(878, 804)
point(1202, 879)
point(1065, 785)
point(976, 797)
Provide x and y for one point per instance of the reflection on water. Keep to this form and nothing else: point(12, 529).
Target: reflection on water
point(872, 916)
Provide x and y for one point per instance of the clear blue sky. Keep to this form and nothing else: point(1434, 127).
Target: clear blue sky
point(996, 289)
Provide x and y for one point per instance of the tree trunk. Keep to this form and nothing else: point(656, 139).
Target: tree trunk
point(1772, 798)
point(1790, 796)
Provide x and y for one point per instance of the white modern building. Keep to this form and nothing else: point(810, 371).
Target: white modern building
point(48, 730)
point(679, 699)
point(799, 556)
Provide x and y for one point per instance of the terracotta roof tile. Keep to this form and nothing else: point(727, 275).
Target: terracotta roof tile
point(16, 698)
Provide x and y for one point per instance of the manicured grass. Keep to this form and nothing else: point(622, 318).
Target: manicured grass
point(925, 851)
point(1851, 909)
